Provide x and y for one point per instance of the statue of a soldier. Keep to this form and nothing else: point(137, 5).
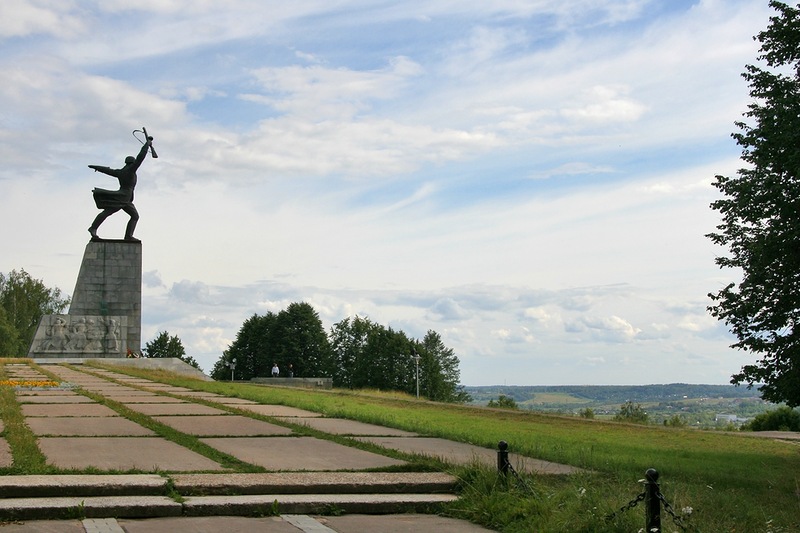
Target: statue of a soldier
point(112, 201)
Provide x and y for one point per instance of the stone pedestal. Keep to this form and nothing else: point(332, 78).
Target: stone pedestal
point(107, 300)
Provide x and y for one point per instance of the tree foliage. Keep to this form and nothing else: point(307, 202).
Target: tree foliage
point(760, 218)
point(165, 345)
point(23, 301)
point(357, 353)
point(781, 419)
point(503, 402)
point(633, 413)
point(370, 355)
point(294, 336)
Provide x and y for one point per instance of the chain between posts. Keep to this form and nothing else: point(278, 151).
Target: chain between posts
point(676, 518)
point(651, 481)
point(631, 504)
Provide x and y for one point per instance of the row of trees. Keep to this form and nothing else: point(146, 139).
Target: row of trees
point(358, 353)
point(23, 301)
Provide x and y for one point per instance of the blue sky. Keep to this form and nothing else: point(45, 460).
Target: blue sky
point(529, 179)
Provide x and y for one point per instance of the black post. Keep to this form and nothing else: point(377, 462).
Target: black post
point(651, 502)
point(502, 457)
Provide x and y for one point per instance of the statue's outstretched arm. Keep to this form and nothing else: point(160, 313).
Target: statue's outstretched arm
point(104, 170)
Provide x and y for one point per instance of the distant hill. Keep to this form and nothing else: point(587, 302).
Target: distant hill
point(608, 394)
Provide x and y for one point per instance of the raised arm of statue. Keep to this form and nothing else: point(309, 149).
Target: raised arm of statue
point(142, 153)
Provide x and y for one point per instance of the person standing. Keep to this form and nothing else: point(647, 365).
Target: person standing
point(275, 370)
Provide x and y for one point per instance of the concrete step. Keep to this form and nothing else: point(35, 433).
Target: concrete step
point(144, 496)
point(74, 507)
point(257, 504)
point(230, 483)
point(315, 483)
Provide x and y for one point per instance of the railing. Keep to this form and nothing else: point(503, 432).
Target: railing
point(651, 495)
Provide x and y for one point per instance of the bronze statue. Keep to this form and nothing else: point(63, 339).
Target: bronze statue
point(112, 201)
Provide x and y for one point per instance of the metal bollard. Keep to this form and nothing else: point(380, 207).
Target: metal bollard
point(502, 457)
point(652, 502)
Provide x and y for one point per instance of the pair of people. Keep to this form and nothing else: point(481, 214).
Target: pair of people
point(277, 371)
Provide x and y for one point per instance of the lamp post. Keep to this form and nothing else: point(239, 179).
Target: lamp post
point(232, 366)
point(416, 357)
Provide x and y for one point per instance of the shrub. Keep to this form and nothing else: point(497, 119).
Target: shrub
point(781, 419)
point(628, 412)
point(503, 402)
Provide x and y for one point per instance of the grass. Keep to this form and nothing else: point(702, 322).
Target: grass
point(732, 483)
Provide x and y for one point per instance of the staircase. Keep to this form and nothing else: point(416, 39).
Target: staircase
point(47, 497)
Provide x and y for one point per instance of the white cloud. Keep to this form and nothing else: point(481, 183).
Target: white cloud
point(20, 18)
point(385, 169)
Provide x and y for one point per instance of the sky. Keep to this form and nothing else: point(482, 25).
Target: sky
point(531, 179)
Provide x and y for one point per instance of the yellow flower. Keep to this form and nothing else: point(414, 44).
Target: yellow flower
point(29, 383)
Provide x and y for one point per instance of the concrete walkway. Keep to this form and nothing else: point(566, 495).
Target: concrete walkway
point(75, 430)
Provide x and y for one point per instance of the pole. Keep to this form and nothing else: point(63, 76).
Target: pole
point(651, 502)
point(416, 357)
point(502, 457)
point(417, 360)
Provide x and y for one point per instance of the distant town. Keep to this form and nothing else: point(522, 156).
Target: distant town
point(704, 406)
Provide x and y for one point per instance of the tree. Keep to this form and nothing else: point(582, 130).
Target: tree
point(165, 346)
point(760, 212)
point(781, 419)
point(9, 337)
point(294, 336)
point(23, 301)
point(348, 339)
point(633, 413)
point(251, 349)
point(440, 375)
point(503, 402)
point(299, 339)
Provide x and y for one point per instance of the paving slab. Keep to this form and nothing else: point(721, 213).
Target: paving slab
point(222, 426)
point(155, 409)
point(80, 409)
point(87, 427)
point(342, 426)
point(224, 400)
point(53, 398)
point(166, 388)
point(459, 452)
point(138, 398)
point(299, 453)
point(123, 453)
point(46, 485)
point(314, 483)
point(278, 410)
point(403, 523)
point(91, 506)
point(255, 504)
point(201, 394)
point(6, 459)
point(44, 526)
point(128, 391)
point(45, 392)
point(209, 524)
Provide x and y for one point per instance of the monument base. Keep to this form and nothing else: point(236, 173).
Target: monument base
point(105, 316)
point(80, 336)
